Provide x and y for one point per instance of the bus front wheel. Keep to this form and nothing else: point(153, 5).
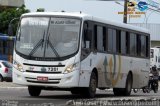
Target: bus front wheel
point(34, 91)
point(91, 90)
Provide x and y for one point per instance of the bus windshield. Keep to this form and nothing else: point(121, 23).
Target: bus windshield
point(48, 37)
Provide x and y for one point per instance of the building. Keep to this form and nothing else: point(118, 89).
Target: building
point(154, 31)
point(11, 3)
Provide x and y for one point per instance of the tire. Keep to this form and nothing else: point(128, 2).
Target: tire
point(75, 91)
point(1, 78)
point(128, 88)
point(135, 90)
point(91, 90)
point(34, 91)
point(145, 90)
point(124, 91)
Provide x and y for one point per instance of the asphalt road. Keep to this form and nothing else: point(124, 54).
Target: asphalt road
point(15, 95)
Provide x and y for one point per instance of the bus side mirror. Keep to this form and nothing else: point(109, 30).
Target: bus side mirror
point(10, 26)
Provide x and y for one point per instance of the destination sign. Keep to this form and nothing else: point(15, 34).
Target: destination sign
point(64, 21)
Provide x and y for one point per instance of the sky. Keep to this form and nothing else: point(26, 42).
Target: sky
point(104, 9)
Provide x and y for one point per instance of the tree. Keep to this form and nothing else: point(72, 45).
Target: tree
point(7, 14)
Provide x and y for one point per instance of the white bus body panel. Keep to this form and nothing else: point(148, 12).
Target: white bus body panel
point(113, 70)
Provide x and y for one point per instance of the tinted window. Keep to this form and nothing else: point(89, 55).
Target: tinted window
point(114, 41)
point(118, 38)
point(99, 38)
point(127, 43)
point(86, 42)
point(123, 42)
point(139, 45)
point(104, 39)
point(143, 46)
point(132, 44)
point(110, 39)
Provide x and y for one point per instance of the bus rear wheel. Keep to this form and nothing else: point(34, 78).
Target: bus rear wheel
point(124, 91)
point(34, 91)
point(128, 88)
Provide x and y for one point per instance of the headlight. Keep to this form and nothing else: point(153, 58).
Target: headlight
point(18, 66)
point(70, 68)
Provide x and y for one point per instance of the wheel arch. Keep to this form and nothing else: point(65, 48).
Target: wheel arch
point(131, 73)
point(96, 72)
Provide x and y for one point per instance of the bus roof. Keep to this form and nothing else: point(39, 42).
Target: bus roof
point(88, 17)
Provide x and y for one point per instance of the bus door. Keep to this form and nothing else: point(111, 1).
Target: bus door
point(85, 55)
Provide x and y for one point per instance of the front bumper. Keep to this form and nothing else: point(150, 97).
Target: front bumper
point(69, 80)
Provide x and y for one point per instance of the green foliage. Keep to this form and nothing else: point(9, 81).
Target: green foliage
point(7, 14)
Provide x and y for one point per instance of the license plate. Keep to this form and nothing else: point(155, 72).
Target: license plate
point(39, 78)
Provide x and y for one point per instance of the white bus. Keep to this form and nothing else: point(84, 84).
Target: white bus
point(155, 57)
point(79, 53)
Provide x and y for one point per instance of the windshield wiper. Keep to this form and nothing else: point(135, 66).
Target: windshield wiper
point(41, 41)
point(52, 47)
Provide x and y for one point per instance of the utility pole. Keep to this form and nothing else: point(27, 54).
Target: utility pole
point(125, 12)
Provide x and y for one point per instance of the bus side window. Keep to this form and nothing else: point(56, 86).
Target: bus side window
point(110, 40)
point(100, 38)
point(87, 36)
point(143, 46)
point(86, 41)
point(123, 43)
point(127, 43)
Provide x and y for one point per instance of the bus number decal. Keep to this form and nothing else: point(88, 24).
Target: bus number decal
point(52, 69)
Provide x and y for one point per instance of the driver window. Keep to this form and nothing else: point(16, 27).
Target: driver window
point(86, 43)
point(86, 40)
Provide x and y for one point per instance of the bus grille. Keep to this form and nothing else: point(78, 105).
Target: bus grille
point(54, 72)
point(50, 81)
